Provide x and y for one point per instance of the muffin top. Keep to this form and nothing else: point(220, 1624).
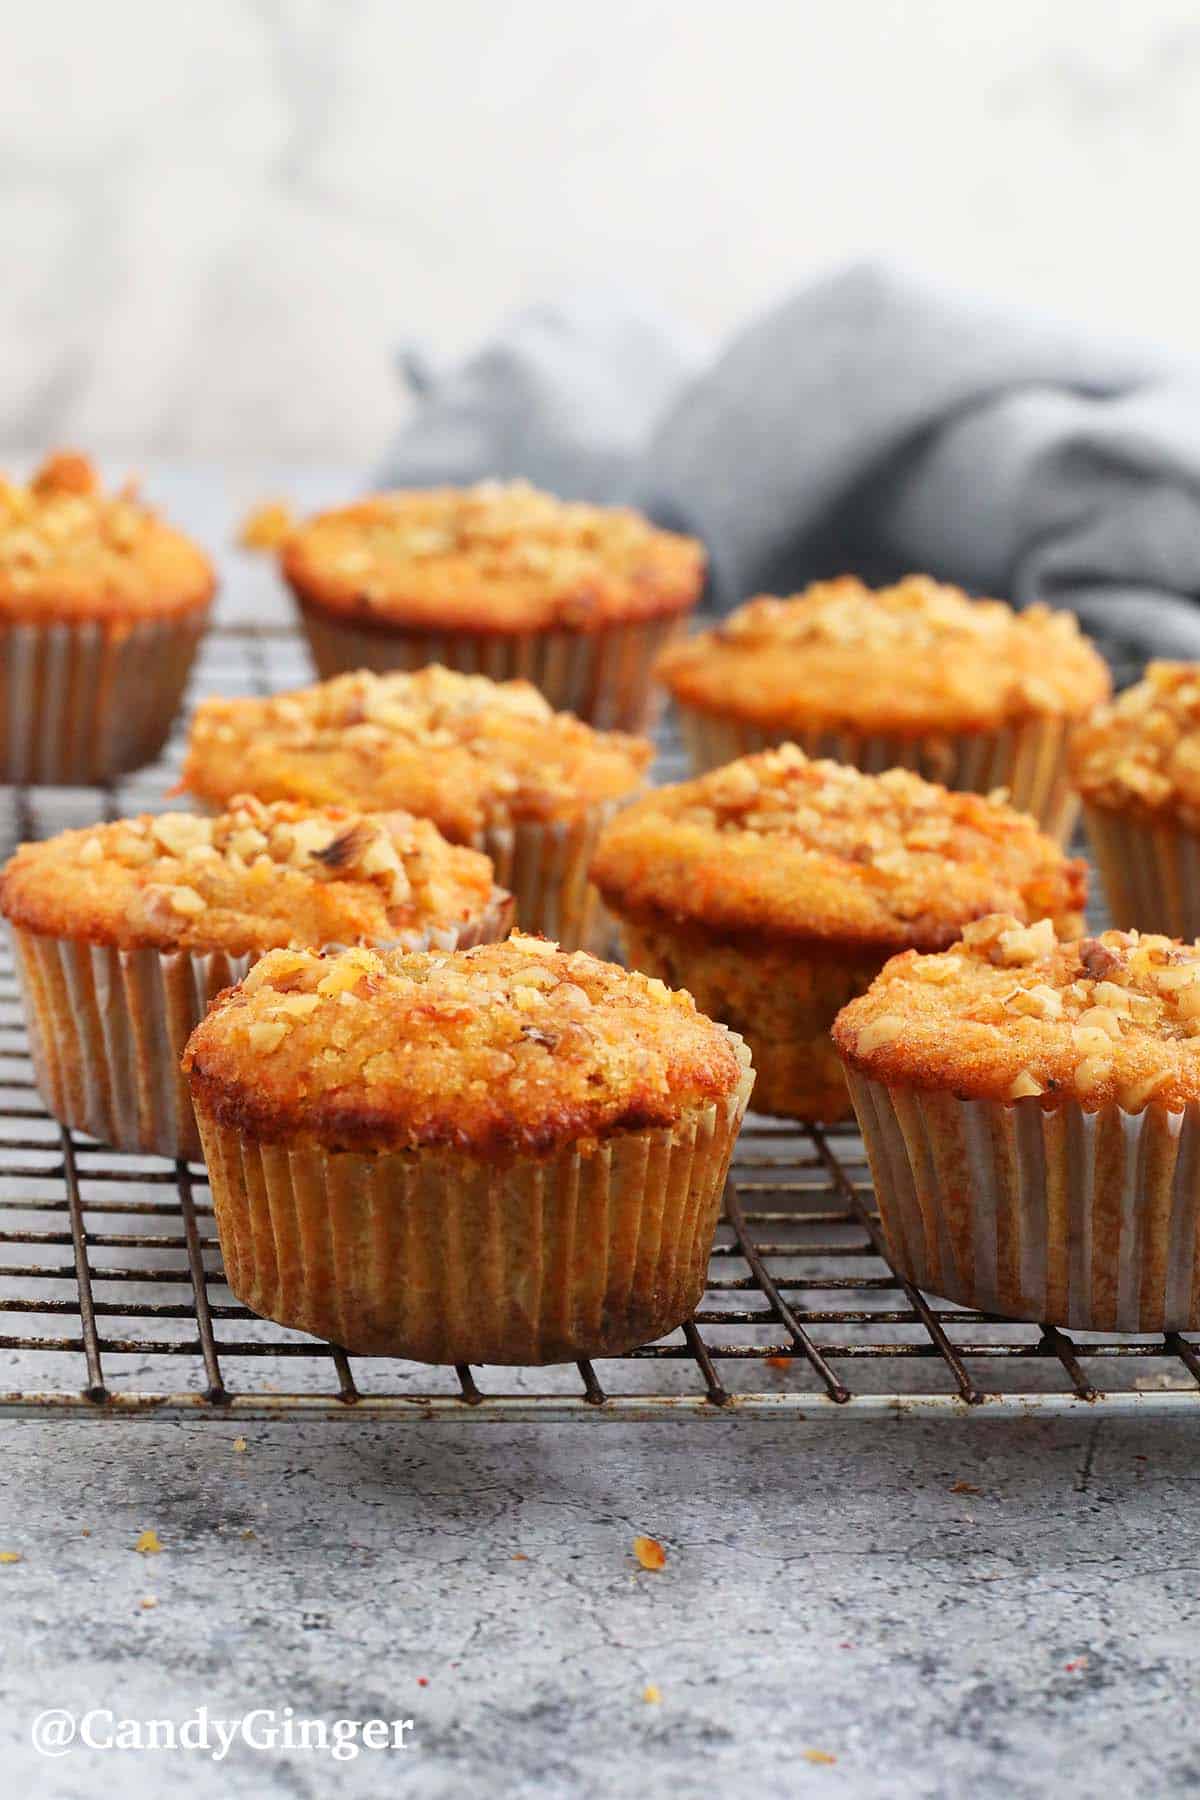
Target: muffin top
point(512, 1048)
point(459, 749)
point(779, 844)
point(1143, 751)
point(254, 878)
point(70, 551)
point(498, 557)
point(1010, 1013)
point(913, 658)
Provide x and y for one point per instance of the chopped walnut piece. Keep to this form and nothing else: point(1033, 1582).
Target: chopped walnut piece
point(69, 549)
point(498, 550)
point(1092, 1072)
point(186, 901)
point(1096, 959)
point(879, 1033)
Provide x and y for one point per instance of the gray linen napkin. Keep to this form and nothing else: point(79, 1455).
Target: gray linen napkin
point(876, 421)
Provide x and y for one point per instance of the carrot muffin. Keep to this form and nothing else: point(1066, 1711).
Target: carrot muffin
point(498, 580)
point(776, 888)
point(101, 609)
point(508, 1154)
point(125, 932)
point(1030, 1109)
point(489, 762)
point(967, 692)
point(1136, 763)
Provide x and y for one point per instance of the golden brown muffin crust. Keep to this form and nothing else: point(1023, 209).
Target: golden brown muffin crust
point(500, 556)
point(911, 659)
point(513, 1048)
point(70, 551)
point(1010, 1014)
point(461, 750)
point(1142, 752)
point(254, 878)
point(779, 845)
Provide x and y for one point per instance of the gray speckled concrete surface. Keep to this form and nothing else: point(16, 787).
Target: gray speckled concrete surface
point(827, 1589)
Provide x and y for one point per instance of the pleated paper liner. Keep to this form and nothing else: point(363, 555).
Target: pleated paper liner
point(107, 1028)
point(781, 1000)
point(83, 702)
point(602, 676)
point(544, 865)
point(1027, 758)
point(1149, 870)
point(1084, 1220)
point(441, 1257)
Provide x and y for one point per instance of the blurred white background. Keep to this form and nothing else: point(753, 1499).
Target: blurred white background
point(219, 220)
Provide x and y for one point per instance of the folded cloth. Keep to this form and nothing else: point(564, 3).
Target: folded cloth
point(875, 422)
point(567, 396)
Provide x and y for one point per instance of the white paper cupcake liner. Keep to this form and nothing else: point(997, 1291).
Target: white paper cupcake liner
point(83, 702)
point(1029, 758)
point(602, 676)
point(1149, 869)
point(441, 1257)
point(1062, 1217)
point(107, 1028)
point(545, 868)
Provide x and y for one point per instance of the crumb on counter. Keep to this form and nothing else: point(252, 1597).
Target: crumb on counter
point(266, 525)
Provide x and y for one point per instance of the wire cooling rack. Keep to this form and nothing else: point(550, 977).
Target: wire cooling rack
point(114, 1305)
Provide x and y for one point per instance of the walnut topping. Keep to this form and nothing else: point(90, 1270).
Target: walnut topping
point(251, 878)
point(505, 538)
point(432, 1049)
point(1040, 1002)
point(178, 833)
point(879, 1033)
point(63, 539)
point(1144, 747)
point(1009, 944)
point(346, 849)
point(186, 901)
point(1097, 959)
point(1135, 1094)
point(915, 612)
point(896, 822)
point(1091, 1073)
point(462, 749)
point(390, 850)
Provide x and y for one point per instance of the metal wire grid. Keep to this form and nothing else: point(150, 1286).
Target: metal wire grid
point(113, 1296)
